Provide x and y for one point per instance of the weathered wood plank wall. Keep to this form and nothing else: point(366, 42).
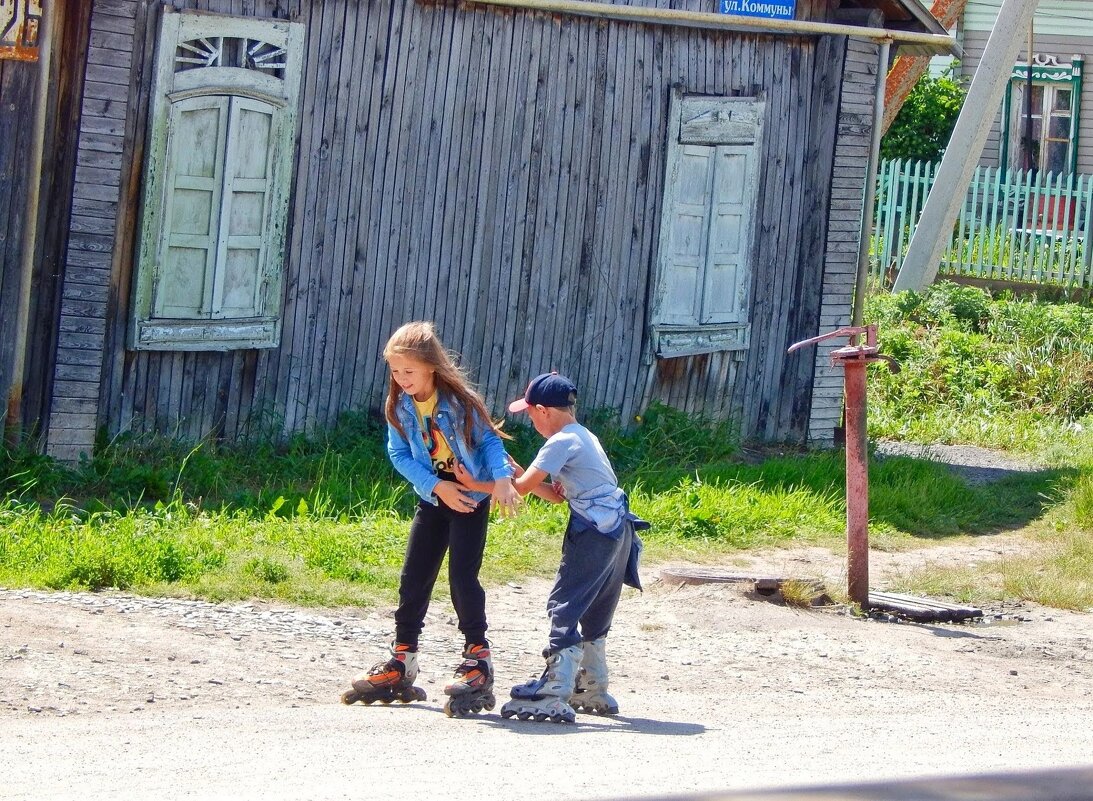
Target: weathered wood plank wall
point(17, 87)
point(498, 172)
point(22, 181)
point(855, 131)
point(102, 197)
point(71, 39)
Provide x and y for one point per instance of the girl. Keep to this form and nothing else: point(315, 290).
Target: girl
point(436, 421)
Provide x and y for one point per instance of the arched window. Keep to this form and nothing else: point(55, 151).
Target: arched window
point(217, 183)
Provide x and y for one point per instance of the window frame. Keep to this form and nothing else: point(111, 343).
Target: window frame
point(1048, 73)
point(187, 76)
point(694, 123)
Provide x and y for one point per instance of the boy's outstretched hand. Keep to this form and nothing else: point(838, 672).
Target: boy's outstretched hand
point(503, 492)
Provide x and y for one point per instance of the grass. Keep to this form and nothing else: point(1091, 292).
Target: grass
point(327, 538)
point(1008, 373)
point(323, 521)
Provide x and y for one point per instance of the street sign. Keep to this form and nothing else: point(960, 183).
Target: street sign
point(771, 9)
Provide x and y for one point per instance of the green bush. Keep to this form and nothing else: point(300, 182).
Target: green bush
point(924, 123)
point(967, 355)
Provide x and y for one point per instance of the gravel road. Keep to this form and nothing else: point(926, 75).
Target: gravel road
point(110, 696)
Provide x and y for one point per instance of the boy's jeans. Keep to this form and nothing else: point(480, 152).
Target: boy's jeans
point(588, 584)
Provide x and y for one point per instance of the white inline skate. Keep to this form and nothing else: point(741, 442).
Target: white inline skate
point(471, 688)
point(388, 681)
point(591, 692)
point(547, 698)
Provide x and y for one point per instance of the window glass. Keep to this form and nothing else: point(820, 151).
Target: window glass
point(1051, 107)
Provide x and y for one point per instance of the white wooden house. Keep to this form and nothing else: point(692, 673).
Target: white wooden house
point(1061, 39)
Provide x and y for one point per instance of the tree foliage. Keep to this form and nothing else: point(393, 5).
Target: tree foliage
point(925, 121)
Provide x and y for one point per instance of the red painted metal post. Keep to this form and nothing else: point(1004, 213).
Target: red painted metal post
point(854, 358)
point(857, 484)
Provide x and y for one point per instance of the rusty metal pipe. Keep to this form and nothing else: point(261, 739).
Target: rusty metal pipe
point(730, 22)
point(857, 484)
point(854, 359)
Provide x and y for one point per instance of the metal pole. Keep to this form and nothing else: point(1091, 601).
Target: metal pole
point(869, 204)
point(934, 230)
point(701, 19)
point(1030, 161)
point(857, 484)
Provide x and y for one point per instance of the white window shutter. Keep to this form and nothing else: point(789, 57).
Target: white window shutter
point(241, 247)
point(218, 178)
point(706, 257)
point(730, 222)
point(194, 183)
point(689, 211)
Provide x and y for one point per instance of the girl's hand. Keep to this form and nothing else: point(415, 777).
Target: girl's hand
point(559, 490)
point(454, 497)
point(469, 481)
point(508, 499)
point(517, 469)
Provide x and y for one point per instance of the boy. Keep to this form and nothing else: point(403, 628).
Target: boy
point(599, 553)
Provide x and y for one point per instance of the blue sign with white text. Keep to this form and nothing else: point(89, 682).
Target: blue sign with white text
point(771, 9)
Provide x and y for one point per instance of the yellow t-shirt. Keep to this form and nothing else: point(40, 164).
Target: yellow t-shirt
point(440, 452)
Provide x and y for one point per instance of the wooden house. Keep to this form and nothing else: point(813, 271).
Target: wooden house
point(1060, 43)
point(238, 200)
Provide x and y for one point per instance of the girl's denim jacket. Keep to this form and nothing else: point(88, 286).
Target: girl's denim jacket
point(486, 460)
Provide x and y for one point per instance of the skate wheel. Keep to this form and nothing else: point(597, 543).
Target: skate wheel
point(523, 715)
point(507, 713)
point(368, 701)
point(385, 701)
point(540, 717)
point(350, 697)
point(448, 710)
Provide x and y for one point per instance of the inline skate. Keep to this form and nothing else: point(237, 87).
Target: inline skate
point(388, 681)
point(471, 688)
point(547, 698)
point(591, 693)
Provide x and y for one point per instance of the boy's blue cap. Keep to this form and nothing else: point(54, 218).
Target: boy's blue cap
point(548, 389)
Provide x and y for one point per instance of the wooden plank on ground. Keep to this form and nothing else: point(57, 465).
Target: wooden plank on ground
point(922, 609)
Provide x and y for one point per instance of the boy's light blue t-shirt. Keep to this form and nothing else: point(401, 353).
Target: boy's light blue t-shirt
point(575, 458)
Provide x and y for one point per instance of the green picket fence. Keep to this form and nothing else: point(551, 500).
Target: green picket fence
point(1015, 225)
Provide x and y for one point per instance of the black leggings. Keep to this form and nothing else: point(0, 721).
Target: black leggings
point(437, 530)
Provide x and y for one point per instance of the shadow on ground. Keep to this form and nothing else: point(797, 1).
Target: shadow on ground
point(1064, 784)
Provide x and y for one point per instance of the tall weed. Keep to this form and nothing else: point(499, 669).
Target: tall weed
point(968, 358)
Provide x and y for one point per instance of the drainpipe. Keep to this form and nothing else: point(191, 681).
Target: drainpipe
point(869, 203)
point(727, 22)
point(13, 423)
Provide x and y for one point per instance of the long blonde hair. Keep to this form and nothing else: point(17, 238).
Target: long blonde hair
point(418, 341)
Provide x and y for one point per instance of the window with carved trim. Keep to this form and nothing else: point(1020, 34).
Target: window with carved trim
point(217, 183)
point(1041, 117)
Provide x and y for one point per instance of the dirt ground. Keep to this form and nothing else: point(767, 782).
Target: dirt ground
point(111, 696)
point(114, 696)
